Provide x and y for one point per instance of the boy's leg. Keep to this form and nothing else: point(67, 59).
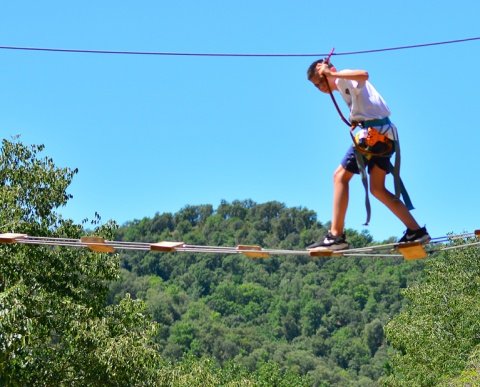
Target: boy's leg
point(377, 188)
point(335, 240)
point(341, 181)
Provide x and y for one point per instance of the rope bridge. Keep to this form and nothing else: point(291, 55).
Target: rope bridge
point(408, 251)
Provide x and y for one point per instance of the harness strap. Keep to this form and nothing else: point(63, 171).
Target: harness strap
point(375, 122)
point(395, 170)
point(397, 180)
point(363, 173)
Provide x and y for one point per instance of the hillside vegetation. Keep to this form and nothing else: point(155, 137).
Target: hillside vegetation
point(72, 317)
point(322, 318)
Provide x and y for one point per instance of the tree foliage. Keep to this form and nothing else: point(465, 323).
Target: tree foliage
point(74, 317)
point(55, 328)
point(322, 319)
point(437, 334)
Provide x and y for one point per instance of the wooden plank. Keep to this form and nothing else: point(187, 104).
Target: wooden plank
point(97, 244)
point(256, 253)
point(166, 246)
point(414, 250)
point(322, 253)
point(11, 237)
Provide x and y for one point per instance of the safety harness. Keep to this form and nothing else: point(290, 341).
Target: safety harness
point(368, 142)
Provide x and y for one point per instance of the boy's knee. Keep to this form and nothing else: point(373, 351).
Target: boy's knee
point(383, 194)
point(341, 175)
point(378, 192)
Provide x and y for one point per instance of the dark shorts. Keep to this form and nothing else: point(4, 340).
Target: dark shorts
point(350, 163)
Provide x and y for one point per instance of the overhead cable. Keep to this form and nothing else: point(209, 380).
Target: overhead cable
point(160, 53)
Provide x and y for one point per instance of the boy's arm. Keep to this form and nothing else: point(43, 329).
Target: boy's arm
point(352, 75)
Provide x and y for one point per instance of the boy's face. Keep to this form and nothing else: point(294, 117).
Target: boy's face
point(320, 82)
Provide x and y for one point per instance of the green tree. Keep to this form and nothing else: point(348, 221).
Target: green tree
point(317, 317)
point(470, 376)
point(54, 326)
point(439, 329)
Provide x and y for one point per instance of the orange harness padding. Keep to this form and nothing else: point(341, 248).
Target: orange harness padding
point(370, 142)
point(370, 137)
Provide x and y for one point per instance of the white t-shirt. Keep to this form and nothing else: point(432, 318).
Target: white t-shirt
point(363, 100)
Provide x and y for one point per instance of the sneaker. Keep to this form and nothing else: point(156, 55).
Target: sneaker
point(420, 235)
point(330, 242)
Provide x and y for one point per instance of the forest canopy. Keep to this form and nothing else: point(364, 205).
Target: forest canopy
point(75, 317)
point(321, 318)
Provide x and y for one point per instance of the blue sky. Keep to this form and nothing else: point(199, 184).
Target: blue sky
point(156, 133)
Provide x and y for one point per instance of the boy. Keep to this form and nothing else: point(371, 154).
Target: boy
point(368, 108)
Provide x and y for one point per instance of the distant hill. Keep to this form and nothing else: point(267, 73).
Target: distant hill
point(322, 318)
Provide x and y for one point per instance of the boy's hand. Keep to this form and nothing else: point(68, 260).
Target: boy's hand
point(322, 69)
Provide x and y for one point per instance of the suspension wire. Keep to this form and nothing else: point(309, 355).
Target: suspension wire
point(408, 47)
point(160, 53)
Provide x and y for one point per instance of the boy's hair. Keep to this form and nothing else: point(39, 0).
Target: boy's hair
point(313, 66)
